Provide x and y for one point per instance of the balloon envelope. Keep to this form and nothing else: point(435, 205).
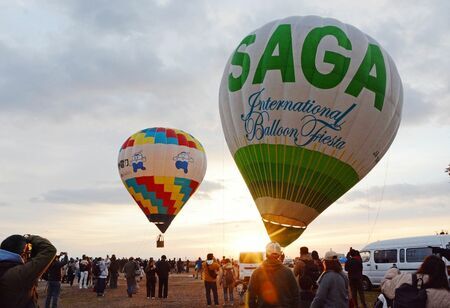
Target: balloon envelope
point(308, 107)
point(161, 169)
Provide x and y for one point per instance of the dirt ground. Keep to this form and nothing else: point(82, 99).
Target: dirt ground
point(184, 291)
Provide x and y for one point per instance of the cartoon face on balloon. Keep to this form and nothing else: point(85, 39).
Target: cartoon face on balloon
point(308, 106)
point(182, 161)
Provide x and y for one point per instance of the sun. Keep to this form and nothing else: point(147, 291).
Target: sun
point(248, 242)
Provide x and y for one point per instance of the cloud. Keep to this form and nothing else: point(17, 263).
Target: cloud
point(86, 196)
point(400, 192)
point(207, 188)
point(108, 195)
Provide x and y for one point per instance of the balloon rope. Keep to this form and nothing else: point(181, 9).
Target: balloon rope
point(381, 199)
point(223, 197)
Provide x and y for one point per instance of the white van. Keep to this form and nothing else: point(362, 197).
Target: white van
point(248, 262)
point(407, 254)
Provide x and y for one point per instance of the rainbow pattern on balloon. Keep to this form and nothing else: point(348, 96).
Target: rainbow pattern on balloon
point(162, 195)
point(163, 135)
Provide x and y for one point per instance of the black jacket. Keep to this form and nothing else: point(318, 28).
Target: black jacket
point(354, 268)
point(18, 280)
point(162, 268)
point(54, 271)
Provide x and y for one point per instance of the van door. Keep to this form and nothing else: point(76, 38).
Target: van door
point(383, 260)
point(367, 263)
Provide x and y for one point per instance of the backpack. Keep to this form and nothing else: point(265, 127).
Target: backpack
point(311, 270)
point(212, 273)
point(229, 278)
point(409, 296)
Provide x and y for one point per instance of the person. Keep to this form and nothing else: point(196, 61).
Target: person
point(22, 261)
point(354, 268)
point(84, 264)
point(333, 284)
point(317, 261)
point(306, 291)
point(305, 265)
point(272, 284)
point(227, 279)
point(130, 269)
point(54, 280)
point(101, 279)
point(163, 270)
point(179, 266)
point(71, 271)
point(198, 267)
point(210, 272)
point(431, 273)
point(223, 261)
point(150, 275)
point(113, 272)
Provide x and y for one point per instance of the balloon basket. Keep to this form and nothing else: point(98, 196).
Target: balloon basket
point(160, 241)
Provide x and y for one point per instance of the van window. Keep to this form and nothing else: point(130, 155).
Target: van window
point(385, 256)
point(417, 254)
point(402, 255)
point(365, 256)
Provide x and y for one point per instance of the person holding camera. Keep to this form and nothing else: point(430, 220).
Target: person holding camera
point(23, 259)
point(54, 280)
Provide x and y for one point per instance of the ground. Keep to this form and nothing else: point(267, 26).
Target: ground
point(184, 291)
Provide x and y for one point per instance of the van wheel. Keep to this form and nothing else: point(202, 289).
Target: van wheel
point(367, 285)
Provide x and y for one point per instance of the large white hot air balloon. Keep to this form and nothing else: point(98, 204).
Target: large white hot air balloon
point(308, 105)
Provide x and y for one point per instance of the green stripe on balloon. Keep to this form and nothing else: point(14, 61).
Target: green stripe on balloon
point(294, 173)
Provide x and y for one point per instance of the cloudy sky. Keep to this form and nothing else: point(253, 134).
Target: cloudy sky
point(78, 77)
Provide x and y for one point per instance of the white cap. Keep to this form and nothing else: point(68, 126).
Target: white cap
point(273, 248)
point(330, 255)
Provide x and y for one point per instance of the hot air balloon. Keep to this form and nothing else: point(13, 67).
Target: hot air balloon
point(161, 168)
point(308, 106)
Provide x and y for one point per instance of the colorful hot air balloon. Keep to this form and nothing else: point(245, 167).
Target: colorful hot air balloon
point(161, 169)
point(308, 106)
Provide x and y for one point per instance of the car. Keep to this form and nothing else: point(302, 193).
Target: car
point(289, 262)
point(248, 262)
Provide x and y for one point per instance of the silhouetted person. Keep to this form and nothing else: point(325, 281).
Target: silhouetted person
point(163, 270)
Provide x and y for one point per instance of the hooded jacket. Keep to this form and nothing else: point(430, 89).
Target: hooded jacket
point(273, 285)
point(18, 279)
point(436, 298)
point(332, 291)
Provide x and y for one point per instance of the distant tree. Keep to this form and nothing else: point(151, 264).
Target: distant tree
point(447, 170)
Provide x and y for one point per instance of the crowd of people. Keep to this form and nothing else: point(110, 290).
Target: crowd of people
point(313, 282)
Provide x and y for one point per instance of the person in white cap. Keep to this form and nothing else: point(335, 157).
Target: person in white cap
point(333, 284)
point(272, 283)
